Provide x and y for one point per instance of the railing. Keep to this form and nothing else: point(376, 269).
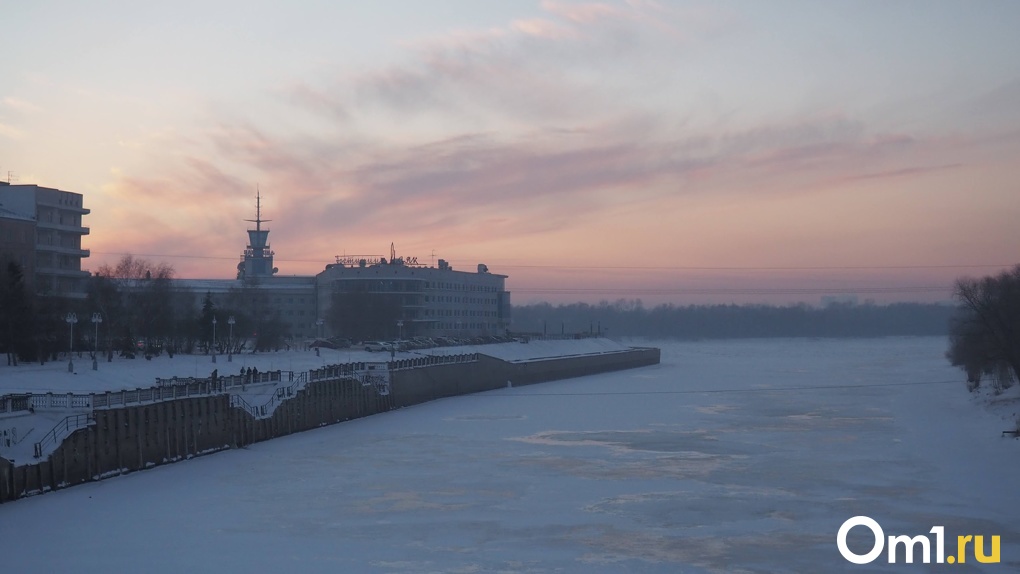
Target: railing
point(281, 394)
point(361, 372)
point(429, 360)
point(70, 401)
point(337, 371)
point(181, 387)
point(154, 394)
point(62, 429)
point(237, 401)
point(228, 381)
point(284, 393)
point(15, 403)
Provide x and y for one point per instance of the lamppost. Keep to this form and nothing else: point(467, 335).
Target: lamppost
point(230, 340)
point(214, 338)
point(400, 330)
point(71, 320)
point(318, 335)
point(96, 320)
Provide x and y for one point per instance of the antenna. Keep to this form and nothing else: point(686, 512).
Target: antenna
point(258, 210)
point(10, 177)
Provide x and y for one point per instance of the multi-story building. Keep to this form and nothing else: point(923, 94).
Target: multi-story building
point(433, 301)
point(430, 301)
point(58, 252)
point(287, 299)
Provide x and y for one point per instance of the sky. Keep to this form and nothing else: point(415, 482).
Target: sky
point(687, 152)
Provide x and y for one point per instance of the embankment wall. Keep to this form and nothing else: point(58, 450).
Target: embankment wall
point(138, 437)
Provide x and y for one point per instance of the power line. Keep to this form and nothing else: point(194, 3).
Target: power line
point(700, 391)
point(735, 291)
point(623, 267)
point(630, 291)
point(213, 257)
point(748, 268)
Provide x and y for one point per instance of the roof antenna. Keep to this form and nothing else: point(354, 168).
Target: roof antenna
point(258, 210)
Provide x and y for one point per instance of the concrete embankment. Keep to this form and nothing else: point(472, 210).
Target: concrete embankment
point(130, 438)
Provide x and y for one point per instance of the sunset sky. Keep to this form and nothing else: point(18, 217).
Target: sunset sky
point(758, 151)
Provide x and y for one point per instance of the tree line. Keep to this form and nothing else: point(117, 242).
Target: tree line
point(141, 313)
point(983, 328)
point(630, 318)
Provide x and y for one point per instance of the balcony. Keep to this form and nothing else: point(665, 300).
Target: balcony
point(57, 206)
point(62, 227)
point(44, 269)
point(60, 249)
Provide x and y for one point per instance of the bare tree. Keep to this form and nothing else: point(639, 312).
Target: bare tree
point(984, 337)
point(143, 303)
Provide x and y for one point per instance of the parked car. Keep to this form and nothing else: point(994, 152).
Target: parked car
point(322, 343)
point(376, 346)
point(340, 342)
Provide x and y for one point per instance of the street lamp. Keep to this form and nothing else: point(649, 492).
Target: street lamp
point(318, 335)
point(71, 320)
point(214, 338)
point(96, 320)
point(230, 341)
point(400, 332)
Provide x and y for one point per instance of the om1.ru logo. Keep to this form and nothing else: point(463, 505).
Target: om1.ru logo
point(910, 543)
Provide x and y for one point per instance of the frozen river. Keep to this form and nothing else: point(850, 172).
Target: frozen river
point(730, 456)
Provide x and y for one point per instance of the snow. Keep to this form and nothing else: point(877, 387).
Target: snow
point(25, 429)
point(140, 373)
point(730, 456)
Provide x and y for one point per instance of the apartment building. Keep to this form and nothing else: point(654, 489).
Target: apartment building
point(56, 266)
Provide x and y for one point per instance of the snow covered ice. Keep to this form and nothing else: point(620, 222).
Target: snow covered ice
point(730, 456)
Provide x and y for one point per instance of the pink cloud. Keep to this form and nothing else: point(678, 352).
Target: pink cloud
point(542, 28)
point(525, 161)
point(582, 13)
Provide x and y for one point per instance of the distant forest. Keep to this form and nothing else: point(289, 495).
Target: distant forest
point(632, 319)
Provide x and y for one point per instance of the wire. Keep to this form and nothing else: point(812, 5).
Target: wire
point(617, 267)
point(748, 268)
point(700, 391)
point(214, 257)
point(734, 291)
